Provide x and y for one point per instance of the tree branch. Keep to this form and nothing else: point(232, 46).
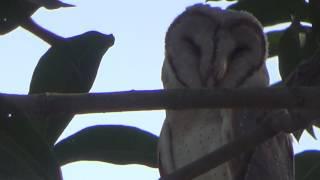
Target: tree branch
point(273, 98)
point(270, 98)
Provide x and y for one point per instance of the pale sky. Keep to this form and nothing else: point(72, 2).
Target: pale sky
point(134, 62)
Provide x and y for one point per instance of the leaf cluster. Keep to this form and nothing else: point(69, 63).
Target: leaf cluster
point(70, 65)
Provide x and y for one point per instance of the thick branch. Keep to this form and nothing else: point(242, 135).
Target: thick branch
point(181, 99)
point(167, 99)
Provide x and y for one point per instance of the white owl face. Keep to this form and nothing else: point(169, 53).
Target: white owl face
point(214, 48)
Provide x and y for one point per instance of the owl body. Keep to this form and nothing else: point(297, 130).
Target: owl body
point(212, 48)
point(189, 140)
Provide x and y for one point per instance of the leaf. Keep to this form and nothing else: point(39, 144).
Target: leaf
point(307, 165)
point(109, 143)
point(23, 153)
point(271, 12)
point(297, 134)
point(314, 6)
point(273, 40)
point(13, 12)
point(294, 47)
point(50, 4)
point(310, 130)
point(70, 67)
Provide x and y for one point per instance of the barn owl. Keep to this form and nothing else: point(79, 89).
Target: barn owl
point(208, 47)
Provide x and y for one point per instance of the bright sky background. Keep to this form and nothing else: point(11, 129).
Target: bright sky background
point(134, 62)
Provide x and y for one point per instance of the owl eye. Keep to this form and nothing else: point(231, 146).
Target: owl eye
point(192, 46)
point(238, 52)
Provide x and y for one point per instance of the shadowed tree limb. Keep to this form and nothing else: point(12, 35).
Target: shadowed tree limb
point(270, 98)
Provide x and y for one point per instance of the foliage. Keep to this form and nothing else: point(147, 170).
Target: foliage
point(114, 143)
point(307, 165)
point(69, 66)
point(294, 44)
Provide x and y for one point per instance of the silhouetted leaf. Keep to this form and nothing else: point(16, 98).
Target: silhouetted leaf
point(50, 4)
point(306, 74)
point(294, 47)
point(23, 153)
point(13, 12)
point(70, 67)
point(314, 16)
point(307, 165)
point(310, 130)
point(273, 40)
point(109, 143)
point(271, 12)
point(297, 134)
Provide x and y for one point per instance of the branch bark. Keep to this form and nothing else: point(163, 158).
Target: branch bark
point(270, 98)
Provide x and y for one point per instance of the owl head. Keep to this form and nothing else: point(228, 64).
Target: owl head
point(207, 47)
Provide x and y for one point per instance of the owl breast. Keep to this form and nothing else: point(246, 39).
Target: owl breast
point(192, 140)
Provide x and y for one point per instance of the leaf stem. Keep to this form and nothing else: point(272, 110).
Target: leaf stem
point(44, 34)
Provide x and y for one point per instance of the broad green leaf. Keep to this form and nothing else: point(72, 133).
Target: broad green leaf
point(271, 12)
point(70, 67)
point(13, 12)
point(273, 40)
point(109, 143)
point(307, 165)
point(23, 152)
point(294, 47)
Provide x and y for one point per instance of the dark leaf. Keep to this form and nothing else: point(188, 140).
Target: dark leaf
point(13, 13)
point(271, 12)
point(295, 46)
point(307, 165)
point(273, 39)
point(306, 74)
point(109, 143)
point(50, 4)
point(314, 16)
point(23, 153)
point(69, 67)
point(310, 130)
point(297, 134)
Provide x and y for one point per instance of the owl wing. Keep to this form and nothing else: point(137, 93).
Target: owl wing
point(165, 159)
point(272, 160)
